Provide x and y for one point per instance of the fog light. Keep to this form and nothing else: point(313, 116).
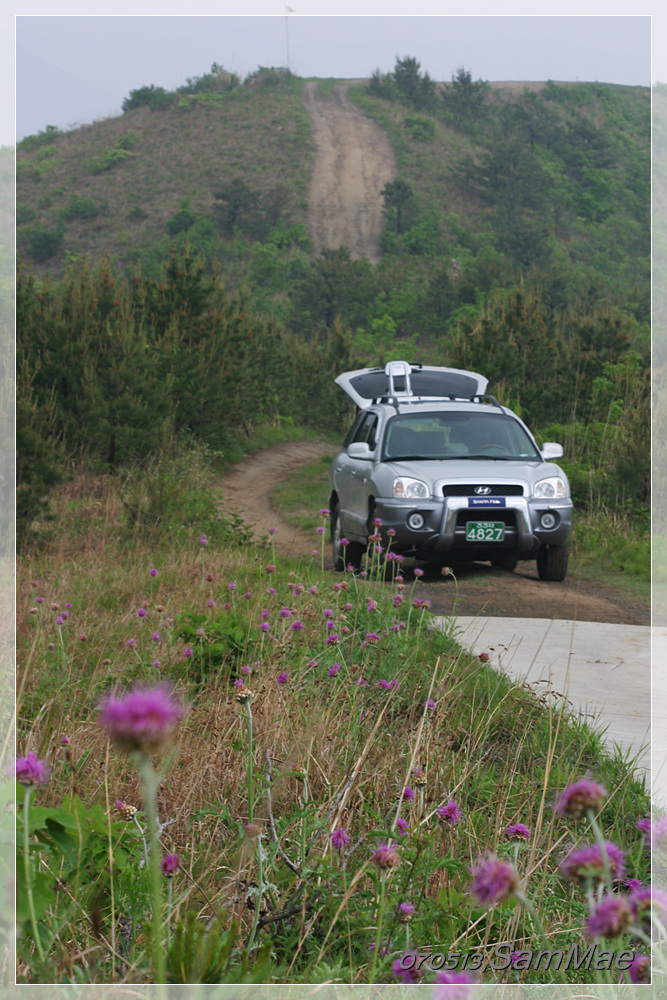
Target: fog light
point(548, 520)
point(416, 521)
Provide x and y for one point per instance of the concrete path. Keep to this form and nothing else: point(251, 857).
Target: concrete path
point(603, 670)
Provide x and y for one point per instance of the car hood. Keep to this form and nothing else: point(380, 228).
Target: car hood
point(474, 471)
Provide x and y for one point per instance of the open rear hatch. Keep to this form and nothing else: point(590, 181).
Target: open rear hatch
point(401, 380)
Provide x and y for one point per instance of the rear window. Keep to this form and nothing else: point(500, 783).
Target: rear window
point(423, 383)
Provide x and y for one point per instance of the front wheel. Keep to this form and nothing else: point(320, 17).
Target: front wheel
point(552, 562)
point(343, 555)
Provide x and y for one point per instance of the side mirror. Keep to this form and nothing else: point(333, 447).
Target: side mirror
point(359, 449)
point(551, 450)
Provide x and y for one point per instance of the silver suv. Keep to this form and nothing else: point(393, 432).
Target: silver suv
point(445, 473)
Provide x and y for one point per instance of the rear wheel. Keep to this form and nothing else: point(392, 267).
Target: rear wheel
point(552, 562)
point(508, 563)
point(343, 555)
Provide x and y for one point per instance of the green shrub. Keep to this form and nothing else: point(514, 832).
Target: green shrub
point(83, 208)
point(155, 98)
point(421, 129)
point(114, 155)
point(44, 243)
point(24, 214)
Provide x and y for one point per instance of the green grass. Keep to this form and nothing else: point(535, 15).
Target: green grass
point(305, 492)
point(338, 730)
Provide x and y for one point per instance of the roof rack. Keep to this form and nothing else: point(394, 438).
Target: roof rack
point(406, 400)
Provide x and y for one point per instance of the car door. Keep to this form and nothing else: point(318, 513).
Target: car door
point(352, 475)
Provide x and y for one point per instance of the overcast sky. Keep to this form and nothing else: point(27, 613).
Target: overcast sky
point(76, 67)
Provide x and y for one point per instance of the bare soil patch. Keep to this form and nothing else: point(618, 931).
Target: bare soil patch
point(482, 589)
point(353, 161)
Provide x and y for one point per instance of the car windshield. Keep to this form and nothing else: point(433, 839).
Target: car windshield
point(457, 435)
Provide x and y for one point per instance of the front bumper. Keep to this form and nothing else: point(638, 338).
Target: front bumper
point(444, 528)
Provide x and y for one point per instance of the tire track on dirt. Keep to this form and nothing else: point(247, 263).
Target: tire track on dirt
point(353, 161)
point(246, 491)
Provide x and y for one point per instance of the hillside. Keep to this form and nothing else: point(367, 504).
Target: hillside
point(547, 179)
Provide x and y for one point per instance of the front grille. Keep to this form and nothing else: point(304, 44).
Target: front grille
point(497, 490)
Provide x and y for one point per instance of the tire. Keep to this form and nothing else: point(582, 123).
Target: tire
point(343, 555)
point(552, 562)
point(508, 563)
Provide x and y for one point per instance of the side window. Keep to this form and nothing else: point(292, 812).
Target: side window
point(351, 434)
point(366, 430)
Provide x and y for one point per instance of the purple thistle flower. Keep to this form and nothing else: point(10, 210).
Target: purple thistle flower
point(328, 613)
point(633, 884)
point(339, 838)
point(169, 865)
point(408, 793)
point(324, 511)
point(643, 900)
point(610, 918)
point(418, 572)
point(332, 639)
point(142, 612)
point(153, 572)
point(296, 626)
point(30, 770)
point(402, 825)
point(130, 643)
point(157, 664)
point(517, 831)
point(203, 540)
point(577, 798)
point(282, 678)
point(430, 703)
point(344, 542)
point(386, 856)
point(334, 669)
point(644, 825)
point(39, 600)
point(272, 531)
point(320, 530)
point(404, 912)
point(449, 813)
point(586, 863)
point(452, 986)
point(270, 568)
point(640, 970)
point(494, 881)
point(141, 719)
point(187, 653)
point(285, 612)
point(60, 620)
point(155, 636)
point(265, 627)
point(407, 968)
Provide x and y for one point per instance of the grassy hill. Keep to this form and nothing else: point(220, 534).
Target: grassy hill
point(128, 186)
point(548, 180)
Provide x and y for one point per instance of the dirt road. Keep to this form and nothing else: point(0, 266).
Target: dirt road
point(353, 162)
point(479, 589)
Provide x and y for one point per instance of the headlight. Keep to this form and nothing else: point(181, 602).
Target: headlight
point(412, 488)
point(547, 489)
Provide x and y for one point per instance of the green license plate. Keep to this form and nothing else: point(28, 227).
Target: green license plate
point(485, 531)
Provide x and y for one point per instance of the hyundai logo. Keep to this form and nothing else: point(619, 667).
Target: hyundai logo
point(483, 491)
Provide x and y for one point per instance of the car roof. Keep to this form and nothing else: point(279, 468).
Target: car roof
point(402, 381)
